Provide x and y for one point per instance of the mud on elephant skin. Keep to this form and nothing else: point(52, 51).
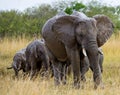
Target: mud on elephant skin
point(19, 62)
point(65, 35)
point(36, 57)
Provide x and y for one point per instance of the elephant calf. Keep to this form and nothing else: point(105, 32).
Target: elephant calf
point(19, 61)
point(36, 57)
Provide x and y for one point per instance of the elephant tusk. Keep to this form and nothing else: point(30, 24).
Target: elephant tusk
point(100, 51)
point(84, 52)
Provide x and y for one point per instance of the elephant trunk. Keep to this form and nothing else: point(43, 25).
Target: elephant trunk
point(92, 52)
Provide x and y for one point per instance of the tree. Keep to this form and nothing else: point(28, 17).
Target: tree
point(69, 7)
point(32, 19)
point(28, 22)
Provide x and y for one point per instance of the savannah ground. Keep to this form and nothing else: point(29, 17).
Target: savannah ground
point(40, 86)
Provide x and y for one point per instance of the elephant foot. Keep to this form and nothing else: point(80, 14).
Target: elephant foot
point(32, 76)
point(83, 79)
point(57, 82)
point(97, 82)
point(76, 85)
point(64, 82)
point(102, 86)
point(45, 74)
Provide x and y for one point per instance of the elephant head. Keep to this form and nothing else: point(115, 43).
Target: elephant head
point(67, 35)
point(19, 62)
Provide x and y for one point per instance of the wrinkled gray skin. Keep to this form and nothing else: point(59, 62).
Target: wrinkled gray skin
point(84, 64)
point(67, 35)
point(19, 61)
point(36, 57)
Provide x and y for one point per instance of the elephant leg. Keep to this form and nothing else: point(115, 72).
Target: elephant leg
point(94, 63)
point(45, 69)
point(63, 73)
point(33, 69)
point(51, 70)
point(45, 64)
point(68, 70)
point(39, 64)
point(23, 70)
point(74, 57)
point(57, 72)
point(16, 72)
point(27, 68)
point(84, 67)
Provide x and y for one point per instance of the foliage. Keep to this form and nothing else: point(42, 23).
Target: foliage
point(31, 20)
point(28, 22)
point(92, 8)
point(95, 7)
point(37, 16)
point(74, 6)
point(68, 6)
point(10, 21)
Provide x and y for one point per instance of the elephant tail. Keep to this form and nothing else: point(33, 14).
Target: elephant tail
point(10, 67)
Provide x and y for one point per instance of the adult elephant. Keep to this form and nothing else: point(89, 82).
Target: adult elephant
point(67, 35)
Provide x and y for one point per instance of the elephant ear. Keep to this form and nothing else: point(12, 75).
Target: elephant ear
point(64, 27)
point(105, 29)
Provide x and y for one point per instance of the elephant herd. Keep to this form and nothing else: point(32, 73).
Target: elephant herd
point(69, 41)
point(31, 59)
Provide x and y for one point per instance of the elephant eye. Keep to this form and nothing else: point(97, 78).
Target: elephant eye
point(81, 35)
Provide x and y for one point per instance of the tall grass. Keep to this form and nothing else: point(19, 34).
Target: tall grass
point(112, 50)
point(11, 86)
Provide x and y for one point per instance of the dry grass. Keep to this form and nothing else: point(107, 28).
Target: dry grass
point(10, 86)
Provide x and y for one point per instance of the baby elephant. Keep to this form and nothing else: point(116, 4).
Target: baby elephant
point(19, 61)
point(36, 57)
